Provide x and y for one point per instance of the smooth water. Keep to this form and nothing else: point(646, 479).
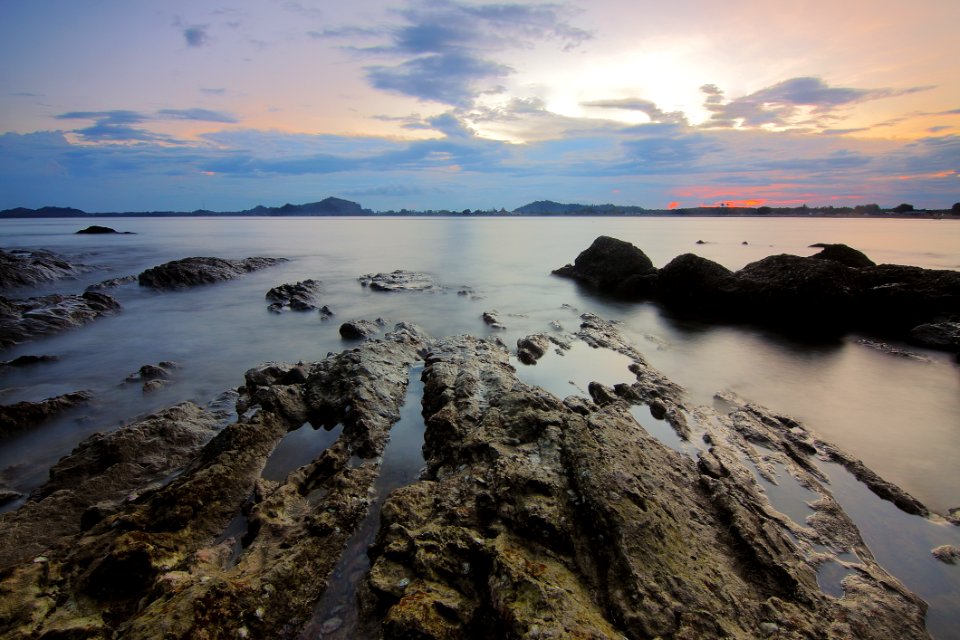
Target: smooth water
point(901, 416)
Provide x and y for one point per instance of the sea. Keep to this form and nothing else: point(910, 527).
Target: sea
point(895, 406)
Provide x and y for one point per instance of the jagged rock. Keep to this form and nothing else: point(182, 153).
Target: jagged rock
point(23, 267)
point(190, 272)
point(531, 348)
point(399, 280)
point(28, 318)
point(25, 415)
point(492, 319)
point(105, 469)
point(612, 266)
point(112, 283)
point(843, 254)
point(153, 377)
point(300, 296)
point(357, 329)
point(947, 553)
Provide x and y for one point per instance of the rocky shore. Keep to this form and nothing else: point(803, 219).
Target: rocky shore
point(835, 291)
point(534, 516)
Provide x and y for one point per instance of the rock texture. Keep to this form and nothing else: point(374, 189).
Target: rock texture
point(399, 280)
point(190, 272)
point(534, 517)
point(299, 296)
point(358, 329)
point(28, 318)
point(112, 283)
point(22, 267)
point(25, 415)
point(834, 291)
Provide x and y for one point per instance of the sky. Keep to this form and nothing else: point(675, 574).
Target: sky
point(112, 105)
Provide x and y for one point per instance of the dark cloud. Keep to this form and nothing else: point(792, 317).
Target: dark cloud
point(196, 35)
point(345, 32)
point(782, 105)
point(213, 91)
point(116, 125)
point(445, 78)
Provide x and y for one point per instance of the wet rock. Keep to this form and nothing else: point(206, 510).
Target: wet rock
point(153, 377)
point(190, 272)
point(112, 283)
point(947, 553)
point(883, 347)
point(326, 313)
point(612, 266)
point(543, 518)
point(940, 335)
point(399, 280)
point(531, 348)
point(28, 318)
point(492, 320)
point(26, 415)
point(358, 329)
point(299, 296)
point(106, 470)
point(27, 361)
point(97, 229)
point(843, 254)
point(9, 495)
point(692, 283)
point(23, 267)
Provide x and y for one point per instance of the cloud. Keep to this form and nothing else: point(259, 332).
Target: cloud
point(202, 115)
point(445, 78)
point(116, 125)
point(448, 51)
point(803, 101)
point(647, 107)
point(213, 91)
point(196, 35)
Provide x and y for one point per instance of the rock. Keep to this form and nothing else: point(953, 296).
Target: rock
point(300, 296)
point(612, 266)
point(27, 361)
point(947, 553)
point(691, 283)
point(112, 283)
point(25, 319)
point(26, 415)
point(531, 348)
point(9, 495)
point(399, 280)
point(357, 329)
point(97, 229)
point(190, 272)
point(883, 347)
point(153, 377)
point(326, 313)
point(23, 267)
point(939, 335)
point(492, 319)
point(843, 254)
point(701, 242)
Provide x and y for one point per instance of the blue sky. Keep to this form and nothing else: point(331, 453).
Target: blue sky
point(429, 104)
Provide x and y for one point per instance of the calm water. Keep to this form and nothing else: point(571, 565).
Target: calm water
point(900, 415)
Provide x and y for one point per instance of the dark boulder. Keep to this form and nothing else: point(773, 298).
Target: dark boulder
point(694, 283)
point(190, 272)
point(97, 229)
point(939, 335)
point(612, 266)
point(357, 329)
point(843, 254)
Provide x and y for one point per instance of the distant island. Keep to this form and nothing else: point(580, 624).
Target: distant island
point(340, 207)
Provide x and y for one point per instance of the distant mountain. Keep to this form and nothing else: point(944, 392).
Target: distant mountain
point(326, 207)
point(43, 212)
point(542, 207)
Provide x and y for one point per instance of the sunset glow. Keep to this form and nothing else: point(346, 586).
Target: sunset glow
point(381, 102)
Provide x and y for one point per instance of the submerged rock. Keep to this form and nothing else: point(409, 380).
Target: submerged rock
point(399, 280)
point(97, 229)
point(28, 318)
point(190, 272)
point(153, 377)
point(25, 415)
point(23, 267)
point(299, 296)
point(27, 361)
point(492, 319)
point(112, 283)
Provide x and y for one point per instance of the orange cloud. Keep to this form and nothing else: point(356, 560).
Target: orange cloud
point(673, 205)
